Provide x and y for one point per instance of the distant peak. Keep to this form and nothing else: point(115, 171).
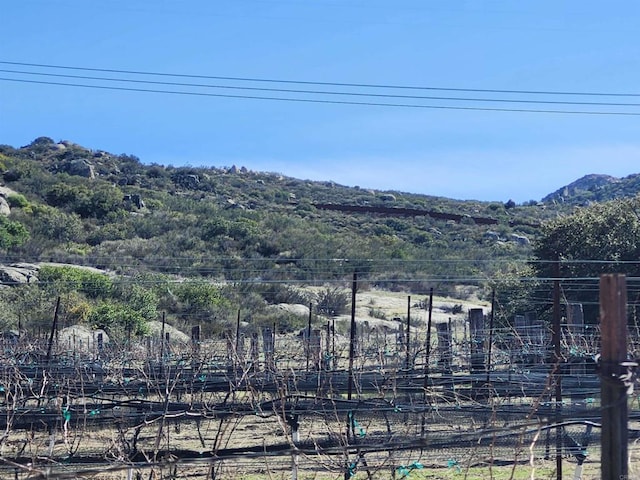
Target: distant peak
point(588, 183)
point(596, 179)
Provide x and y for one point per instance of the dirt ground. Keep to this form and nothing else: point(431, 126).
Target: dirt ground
point(380, 307)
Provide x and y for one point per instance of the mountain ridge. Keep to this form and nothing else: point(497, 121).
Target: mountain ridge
point(75, 205)
point(100, 162)
point(588, 183)
point(596, 188)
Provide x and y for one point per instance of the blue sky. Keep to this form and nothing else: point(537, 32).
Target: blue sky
point(542, 46)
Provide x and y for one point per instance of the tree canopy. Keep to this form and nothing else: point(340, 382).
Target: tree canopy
point(601, 238)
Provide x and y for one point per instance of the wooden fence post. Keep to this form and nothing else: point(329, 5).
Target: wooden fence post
point(295, 438)
point(445, 352)
point(162, 338)
point(557, 353)
point(268, 344)
point(352, 336)
point(476, 333)
point(352, 352)
point(195, 346)
point(490, 346)
point(327, 355)
point(408, 358)
point(307, 343)
point(100, 345)
point(54, 327)
point(613, 330)
point(427, 341)
point(254, 352)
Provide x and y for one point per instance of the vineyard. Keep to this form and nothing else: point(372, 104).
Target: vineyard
point(447, 397)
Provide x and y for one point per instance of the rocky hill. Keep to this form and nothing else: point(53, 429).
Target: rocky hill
point(65, 203)
point(595, 188)
point(199, 243)
point(71, 204)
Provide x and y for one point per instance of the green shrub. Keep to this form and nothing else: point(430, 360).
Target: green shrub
point(17, 201)
point(69, 279)
point(118, 319)
point(12, 234)
point(377, 313)
point(275, 293)
point(332, 301)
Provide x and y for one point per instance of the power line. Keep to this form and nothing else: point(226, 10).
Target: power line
point(337, 84)
point(322, 101)
point(325, 92)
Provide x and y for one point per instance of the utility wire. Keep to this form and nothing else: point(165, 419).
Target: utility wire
point(325, 92)
point(319, 92)
point(336, 84)
point(334, 102)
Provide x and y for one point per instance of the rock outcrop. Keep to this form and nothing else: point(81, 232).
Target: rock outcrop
point(18, 273)
point(80, 167)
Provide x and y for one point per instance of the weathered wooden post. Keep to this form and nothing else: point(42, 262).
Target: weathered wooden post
point(237, 356)
point(352, 338)
point(254, 351)
point(268, 344)
point(195, 347)
point(295, 439)
point(476, 332)
point(54, 328)
point(333, 344)
point(195, 336)
point(427, 349)
point(352, 352)
point(613, 330)
point(557, 354)
point(445, 353)
point(408, 358)
point(162, 338)
point(307, 343)
point(427, 357)
point(327, 355)
point(490, 347)
point(100, 344)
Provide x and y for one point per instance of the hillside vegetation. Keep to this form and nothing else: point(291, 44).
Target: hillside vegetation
point(149, 225)
point(112, 211)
